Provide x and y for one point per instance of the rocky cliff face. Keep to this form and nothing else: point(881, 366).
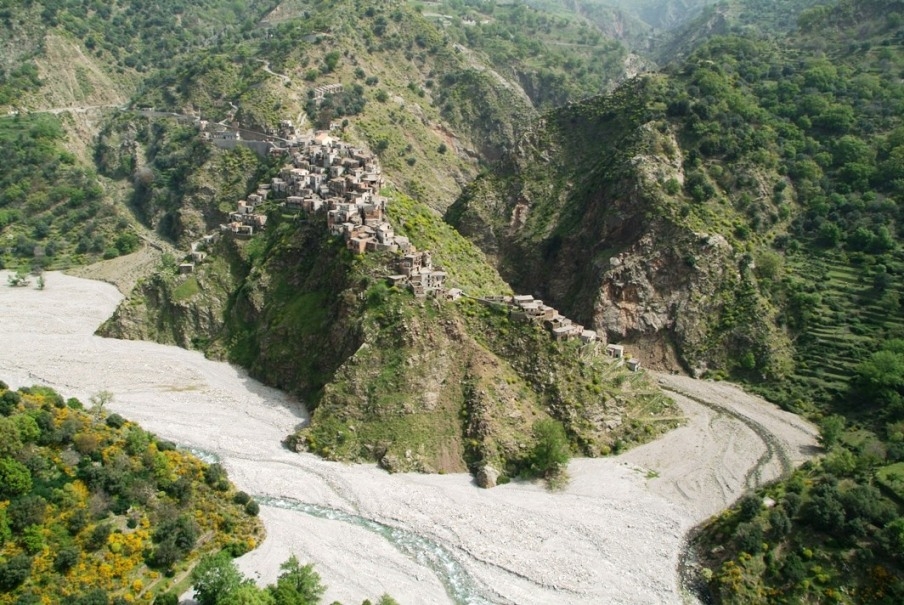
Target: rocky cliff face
point(185, 310)
point(589, 214)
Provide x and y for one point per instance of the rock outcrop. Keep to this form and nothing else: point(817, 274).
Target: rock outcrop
point(589, 215)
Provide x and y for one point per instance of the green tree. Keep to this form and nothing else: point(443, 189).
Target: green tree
point(331, 61)
point(214, 578)
point(14, 571)
point(830, 430)
point(10, 441)
point(297, 584)
point(551, 451)
point(247, 594)
point(15, 478)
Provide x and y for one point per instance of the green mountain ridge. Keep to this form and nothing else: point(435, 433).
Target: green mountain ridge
point(784, 149)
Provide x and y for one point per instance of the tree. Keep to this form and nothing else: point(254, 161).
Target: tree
point(247, 594)
point(830, 430)
point(14, 571)
point(15, 478)
point(66, 558)
point(214, 578)
point(551, 452)
point(750, 506)
point(98, 401)
point(297, 584)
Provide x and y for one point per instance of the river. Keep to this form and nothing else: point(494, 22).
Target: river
point(614, 535)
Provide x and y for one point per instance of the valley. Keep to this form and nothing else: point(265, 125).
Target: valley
point(504, 234)
point(614, 534)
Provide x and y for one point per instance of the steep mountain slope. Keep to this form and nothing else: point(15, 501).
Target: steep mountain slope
point(427, 385)
point(740, 142)
point(784, 149)
point(606, 234)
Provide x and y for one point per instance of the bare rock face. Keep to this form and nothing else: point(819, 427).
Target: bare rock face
point(487, 476)
point(651, 289)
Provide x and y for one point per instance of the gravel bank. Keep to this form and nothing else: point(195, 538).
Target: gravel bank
point(613, 535)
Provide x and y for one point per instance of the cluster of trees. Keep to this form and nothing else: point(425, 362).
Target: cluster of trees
point(833, 128)
point(142, 36)
point(349, 101)
point(217, 582)
point(50, 207)
point(18, 81)
point(557, 57)
point(94, 509)
point(833, 530)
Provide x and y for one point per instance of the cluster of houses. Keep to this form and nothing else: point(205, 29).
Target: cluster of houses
point(328, 176)
point(526, 308)
point(618, 352)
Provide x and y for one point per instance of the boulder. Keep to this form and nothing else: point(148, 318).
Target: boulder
point(487, 476)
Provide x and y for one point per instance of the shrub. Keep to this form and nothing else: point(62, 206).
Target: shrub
point(25, 511)
point(241, 498)
point(214, 474)
point(166, 598)
point(252, 508)
point(8, 402)
point(66, 559)
point(749, 537)
point(15, 478)
point(99, 536)
point(115, 421)
point(750, 505)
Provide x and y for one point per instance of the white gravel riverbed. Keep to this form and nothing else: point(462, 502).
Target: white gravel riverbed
point(614, 535)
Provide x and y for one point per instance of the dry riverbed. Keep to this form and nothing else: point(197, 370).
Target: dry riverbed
point(614, 535)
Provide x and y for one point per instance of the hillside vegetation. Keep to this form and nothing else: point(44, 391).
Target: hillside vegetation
point(94, 508)
point(53, 210)
point(776, 158)
point(436, 90)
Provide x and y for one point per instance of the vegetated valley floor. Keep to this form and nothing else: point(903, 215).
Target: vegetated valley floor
point(614, 535)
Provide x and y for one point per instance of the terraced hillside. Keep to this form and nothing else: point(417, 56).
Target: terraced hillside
point(848, 307)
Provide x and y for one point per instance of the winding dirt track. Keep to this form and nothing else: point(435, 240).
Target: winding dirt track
point(614, 535)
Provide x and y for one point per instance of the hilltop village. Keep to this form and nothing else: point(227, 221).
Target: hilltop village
point(328, 178)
